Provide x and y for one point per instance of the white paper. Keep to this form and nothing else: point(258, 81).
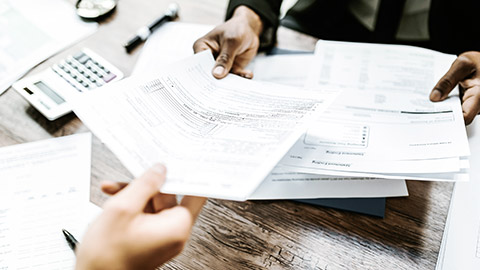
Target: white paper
point(44, 188)
point(285, 184)
point(33, 30)
point(383, 112)
point(218, 138)
point(460, 247)
point(174, 41)
point(289, 69)
point(170, 43)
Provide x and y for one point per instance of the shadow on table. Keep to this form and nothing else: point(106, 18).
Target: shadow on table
point(52, 127)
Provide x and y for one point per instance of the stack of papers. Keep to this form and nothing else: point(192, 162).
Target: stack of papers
point(218, 138)
point(240, 139)
point(173, 42)
point(228, 138)
point(382, 124)
point(33, 30)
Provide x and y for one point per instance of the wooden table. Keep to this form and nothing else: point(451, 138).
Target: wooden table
point(251, 235)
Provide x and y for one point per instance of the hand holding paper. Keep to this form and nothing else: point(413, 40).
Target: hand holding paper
point(139, 227)
point(464, 72)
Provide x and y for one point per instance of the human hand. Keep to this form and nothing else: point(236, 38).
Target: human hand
point(139, 228)
point(465, 71)
point(234, 43)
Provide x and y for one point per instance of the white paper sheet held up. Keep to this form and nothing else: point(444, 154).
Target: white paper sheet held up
point(336, 134)
point(174, 41)
point(383, 113)
point(33, 30)
point(218, 138)
point(287, 182)
point(44, 187)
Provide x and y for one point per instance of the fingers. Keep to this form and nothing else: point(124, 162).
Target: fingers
point(225, 60)
point(177, 222)
point(193, 204)
point(163, 201)
point(461, 69)
point(200, 46)
point(111, 188)
point(242, 72)
point(139, 192)
point(207, 42)
point(226, 48)
point(471, 104)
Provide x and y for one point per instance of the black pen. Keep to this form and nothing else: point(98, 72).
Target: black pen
point(144, 32)
point(72, 242)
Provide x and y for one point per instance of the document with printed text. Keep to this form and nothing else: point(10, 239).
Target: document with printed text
point(45, 188)
point(218, 138)
point(174, 42)
point(383, 121)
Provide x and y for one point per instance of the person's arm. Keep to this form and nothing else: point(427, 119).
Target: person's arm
point(235, 42)
point(464, 71)
point(139, 228)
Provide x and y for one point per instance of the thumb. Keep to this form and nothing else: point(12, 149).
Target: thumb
point(139, 192)
point(461, 68)
point(224, 61)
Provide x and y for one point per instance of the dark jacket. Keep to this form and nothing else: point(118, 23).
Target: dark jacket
point(453, 25)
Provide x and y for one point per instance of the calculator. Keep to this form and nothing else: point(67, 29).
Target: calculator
point(76, 74)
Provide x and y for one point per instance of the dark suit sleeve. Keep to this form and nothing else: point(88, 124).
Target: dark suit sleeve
point(269, 12)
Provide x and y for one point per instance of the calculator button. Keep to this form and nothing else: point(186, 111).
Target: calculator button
point(83, 59)
point(79, 55)
point(109, 76)
point(55, 68)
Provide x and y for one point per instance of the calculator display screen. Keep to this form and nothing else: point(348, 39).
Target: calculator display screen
point(49, 92)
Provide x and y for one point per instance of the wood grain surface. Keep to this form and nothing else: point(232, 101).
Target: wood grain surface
point(250, 235)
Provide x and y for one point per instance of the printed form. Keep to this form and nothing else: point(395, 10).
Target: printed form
point(174, 41)
point(218, 138)
point(45, 188)
point(383, 122)
point(286, 182)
